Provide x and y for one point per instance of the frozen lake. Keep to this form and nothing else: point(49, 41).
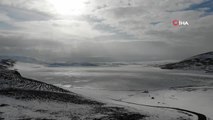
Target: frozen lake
point(129, 77)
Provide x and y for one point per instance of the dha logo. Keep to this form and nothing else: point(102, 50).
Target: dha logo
point(180, 23)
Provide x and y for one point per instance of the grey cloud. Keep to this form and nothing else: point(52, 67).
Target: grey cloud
point(109, 30)
point(21, 14)
point(17, 45)
point(122, 12)
point(6, 26)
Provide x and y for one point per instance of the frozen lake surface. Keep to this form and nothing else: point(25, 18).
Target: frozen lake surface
point(132, 77)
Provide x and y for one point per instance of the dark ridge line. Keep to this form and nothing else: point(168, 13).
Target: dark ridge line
point(199, 115)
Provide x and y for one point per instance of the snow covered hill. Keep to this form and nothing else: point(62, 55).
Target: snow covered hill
point(199, 62)
point(26, 99)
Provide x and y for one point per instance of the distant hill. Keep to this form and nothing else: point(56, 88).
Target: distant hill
point(25, 59)
point(199, 62)
point(6, 63)
point(88, 64)
point(72, 64)
point(21, 59)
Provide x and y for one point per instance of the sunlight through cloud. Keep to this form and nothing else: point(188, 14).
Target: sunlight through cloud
point(68, 7)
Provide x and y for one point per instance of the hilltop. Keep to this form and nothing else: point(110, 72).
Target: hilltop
point(198, 62)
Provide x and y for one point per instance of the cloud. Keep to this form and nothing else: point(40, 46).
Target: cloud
point(113, 30)
point(21, 14)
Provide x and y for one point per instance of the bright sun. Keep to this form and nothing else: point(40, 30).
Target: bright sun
point(68, 7)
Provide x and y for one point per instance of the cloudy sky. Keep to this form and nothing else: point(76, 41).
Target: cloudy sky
point(105, 30)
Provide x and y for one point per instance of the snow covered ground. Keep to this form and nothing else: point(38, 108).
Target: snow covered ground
point(27, 99)
point(135, 86)
point(12, 109)
point(193, 99)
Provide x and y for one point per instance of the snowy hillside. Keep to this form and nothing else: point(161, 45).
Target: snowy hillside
point(22, 98)
point(199, 62)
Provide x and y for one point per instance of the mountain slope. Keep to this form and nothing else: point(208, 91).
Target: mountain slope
point(26, 99)
point(199, 62)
